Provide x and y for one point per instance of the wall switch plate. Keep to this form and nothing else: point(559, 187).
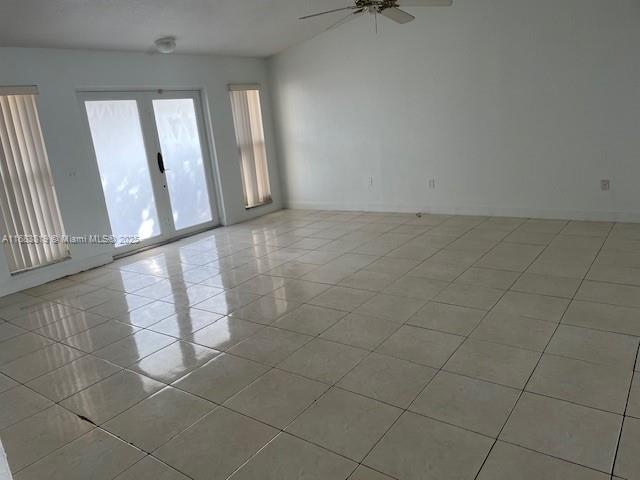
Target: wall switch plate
point(432, 183)
point(605, 185)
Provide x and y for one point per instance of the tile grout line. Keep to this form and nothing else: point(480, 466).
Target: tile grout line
point(400, 325)
point(488, 454)
point(624, 415)
point(406, 409)
point(333, 385)
point(537, 363)
point(522, 390)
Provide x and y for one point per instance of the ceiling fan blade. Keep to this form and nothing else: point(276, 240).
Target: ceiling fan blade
point(397, 15)
point(345, 19)
point(328, 11)
point(425, 3)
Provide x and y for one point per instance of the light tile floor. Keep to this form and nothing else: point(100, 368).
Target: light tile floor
point(335, 345)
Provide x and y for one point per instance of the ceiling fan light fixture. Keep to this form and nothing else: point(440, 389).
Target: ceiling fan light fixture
point(165, 44)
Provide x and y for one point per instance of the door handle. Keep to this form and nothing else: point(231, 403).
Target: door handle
point(160, 163)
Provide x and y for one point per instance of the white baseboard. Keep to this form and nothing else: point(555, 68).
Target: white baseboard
point(22, 281)
point(629, 217)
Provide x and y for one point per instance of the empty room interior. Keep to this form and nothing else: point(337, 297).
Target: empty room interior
point(319, 239)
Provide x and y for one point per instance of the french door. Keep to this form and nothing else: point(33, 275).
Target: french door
point(155, 167)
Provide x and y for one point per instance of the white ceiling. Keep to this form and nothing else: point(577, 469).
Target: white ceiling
point(238, 27)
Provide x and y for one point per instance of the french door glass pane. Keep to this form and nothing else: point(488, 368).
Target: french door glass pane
point(182, 154)
point(124, 170)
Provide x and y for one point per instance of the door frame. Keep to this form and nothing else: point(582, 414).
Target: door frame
point(144, 98)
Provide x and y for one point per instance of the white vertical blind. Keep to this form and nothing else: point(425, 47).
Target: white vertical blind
point(28, 201)
point(247, 119)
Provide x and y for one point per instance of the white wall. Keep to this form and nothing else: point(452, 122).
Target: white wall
point(514, 107)
point(60, 73)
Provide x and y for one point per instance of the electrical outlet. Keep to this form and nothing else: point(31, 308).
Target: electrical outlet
point(432, 183)
point(605, 185)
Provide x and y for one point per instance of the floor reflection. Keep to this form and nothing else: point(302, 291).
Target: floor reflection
point(5, 473)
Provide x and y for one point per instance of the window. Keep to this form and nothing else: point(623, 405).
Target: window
point(28, 202)
point(247, 119)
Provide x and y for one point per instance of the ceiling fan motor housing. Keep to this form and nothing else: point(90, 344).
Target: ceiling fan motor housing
point(387, 8)
point(376, 5)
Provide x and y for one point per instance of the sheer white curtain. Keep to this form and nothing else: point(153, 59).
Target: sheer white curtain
point(247, 119)
point(28, 201)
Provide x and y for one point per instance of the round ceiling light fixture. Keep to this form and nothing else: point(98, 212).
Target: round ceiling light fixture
point(166, 44)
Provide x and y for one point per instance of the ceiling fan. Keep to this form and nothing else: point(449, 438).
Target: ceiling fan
point(386, 8)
